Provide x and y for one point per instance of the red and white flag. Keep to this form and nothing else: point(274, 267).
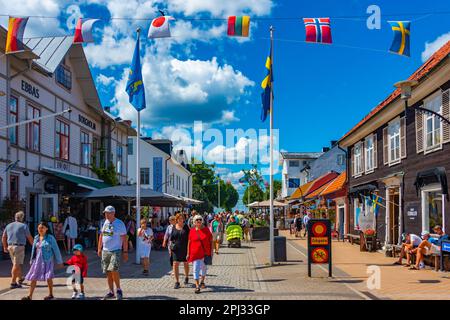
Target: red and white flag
point(160, 27)
point(83, 30)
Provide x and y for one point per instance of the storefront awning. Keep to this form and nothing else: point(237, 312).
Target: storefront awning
point(436, 175)
point(365, 188)
point(84, 182)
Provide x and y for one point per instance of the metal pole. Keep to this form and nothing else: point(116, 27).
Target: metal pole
point(218, 194)
point(138, 175)
point(138, 183)
point(16, 124)
point(272, 256)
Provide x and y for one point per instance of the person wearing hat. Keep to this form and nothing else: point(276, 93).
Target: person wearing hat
point(431, 244)
point(111, 243)
point(79, 261)
point(200, 247)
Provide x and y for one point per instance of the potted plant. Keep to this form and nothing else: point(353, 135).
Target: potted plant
point(369, 237)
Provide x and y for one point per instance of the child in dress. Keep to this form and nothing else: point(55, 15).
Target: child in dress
point(79, 260)
point(145, 238)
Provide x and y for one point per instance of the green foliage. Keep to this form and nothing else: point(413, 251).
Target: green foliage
point(276, 189)
point(108, 175)
point(256, 194)
point(199, 194)
point(231, 197)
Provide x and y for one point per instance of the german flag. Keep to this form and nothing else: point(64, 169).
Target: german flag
point(14, 38)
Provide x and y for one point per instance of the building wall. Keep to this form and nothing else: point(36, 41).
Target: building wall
point(409, 167)
point(327, 162)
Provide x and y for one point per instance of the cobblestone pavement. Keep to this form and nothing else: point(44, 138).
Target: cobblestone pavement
point(237, 273)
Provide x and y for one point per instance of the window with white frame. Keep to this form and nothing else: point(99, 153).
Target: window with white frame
point(433, 126)
point(358, 169)
point(369, 154)
point(85, 149)
point(394, 141)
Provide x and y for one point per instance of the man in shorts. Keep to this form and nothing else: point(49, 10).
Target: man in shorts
point(113, 237)
point(429, 245)
point(411, 241)
point(14, 239)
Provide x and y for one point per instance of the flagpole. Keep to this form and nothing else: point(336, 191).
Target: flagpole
point(272, 256)
point(138, 174)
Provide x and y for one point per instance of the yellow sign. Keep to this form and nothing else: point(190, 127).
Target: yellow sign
point(319, 241)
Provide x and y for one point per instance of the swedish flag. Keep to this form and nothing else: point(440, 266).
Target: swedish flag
point(401, 42)
point(267, 86)
point(135, 86)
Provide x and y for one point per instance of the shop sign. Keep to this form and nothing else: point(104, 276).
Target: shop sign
point(86, 122)
point(319, 243)
point(30, 89)
point(412, 212)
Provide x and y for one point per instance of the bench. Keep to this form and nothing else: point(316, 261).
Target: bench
point(352, 238)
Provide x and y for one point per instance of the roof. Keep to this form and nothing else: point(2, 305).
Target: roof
point(418, 75)
point(336, 185)
point(81, 181)
point(301, 155)
point(306, 189)
point(318, 191)
point(51, 51)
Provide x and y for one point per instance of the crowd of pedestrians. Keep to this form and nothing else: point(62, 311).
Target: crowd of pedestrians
point(190, 239)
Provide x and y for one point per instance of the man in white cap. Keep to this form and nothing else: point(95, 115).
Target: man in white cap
point(113, 237)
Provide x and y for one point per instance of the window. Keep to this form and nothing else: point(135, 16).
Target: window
point(369, 157)
point(130, 146)
point(433, 209)
point(394, 141)
point(33, 129)
point(14, 187)
point(433, 130)
point(119, 159)
point(145, 175)
point(13, 118)
point(340, 159)
point(294, 183)
point(62, 140)
point(294, 163)
point(85, 149)
point(357, 166)
point(64, 76)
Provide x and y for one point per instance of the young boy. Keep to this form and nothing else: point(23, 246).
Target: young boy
point(79, 260)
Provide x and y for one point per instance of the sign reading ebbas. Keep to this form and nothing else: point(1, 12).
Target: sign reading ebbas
point(319, 243)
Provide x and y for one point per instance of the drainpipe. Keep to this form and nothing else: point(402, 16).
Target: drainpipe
point(347, 168)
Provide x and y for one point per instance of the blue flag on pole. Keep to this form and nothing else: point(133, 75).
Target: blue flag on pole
point(135, 86)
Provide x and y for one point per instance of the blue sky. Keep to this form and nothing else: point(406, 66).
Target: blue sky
point(200, 74)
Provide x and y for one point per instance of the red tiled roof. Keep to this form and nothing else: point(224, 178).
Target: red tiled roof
point(418, 75)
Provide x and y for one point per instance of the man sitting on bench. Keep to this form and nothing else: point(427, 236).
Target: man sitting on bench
point(411, 241)
point(431, 244)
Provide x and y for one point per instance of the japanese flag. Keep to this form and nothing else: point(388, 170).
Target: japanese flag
point(160, 27)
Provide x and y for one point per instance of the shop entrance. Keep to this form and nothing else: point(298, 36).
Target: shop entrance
point(394, 212)
point(341, 213)
point(432, 207)
point(47, 207)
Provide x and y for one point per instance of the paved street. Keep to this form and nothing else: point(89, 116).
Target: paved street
point(236, 274)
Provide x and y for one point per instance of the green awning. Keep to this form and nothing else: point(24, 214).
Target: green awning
point(84, 182)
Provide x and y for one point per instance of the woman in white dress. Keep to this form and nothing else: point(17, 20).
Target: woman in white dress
point(145, 238)
point(70, 229)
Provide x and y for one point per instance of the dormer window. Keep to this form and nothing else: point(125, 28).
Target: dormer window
point(64, 76)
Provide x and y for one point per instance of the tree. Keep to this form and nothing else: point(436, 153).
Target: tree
point(256, 194)
point(231, 197)
point(199, 194)
point(276, 189)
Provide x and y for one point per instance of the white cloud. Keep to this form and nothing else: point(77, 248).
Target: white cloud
point(432, 47)
point(104, 80)
point(36, 27)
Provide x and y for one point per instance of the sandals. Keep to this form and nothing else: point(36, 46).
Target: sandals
point(49, 297)
point(197, 290)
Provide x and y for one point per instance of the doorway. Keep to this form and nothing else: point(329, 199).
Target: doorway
point(47, 207)
point(394, 213)
point(432, 207)
point(341, 215)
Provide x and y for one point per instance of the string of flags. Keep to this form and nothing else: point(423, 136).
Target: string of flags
point(317, 30)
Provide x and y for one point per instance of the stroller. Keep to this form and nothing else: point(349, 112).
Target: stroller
point(234, 235)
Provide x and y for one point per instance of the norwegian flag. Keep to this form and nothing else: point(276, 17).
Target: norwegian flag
point(318, 30)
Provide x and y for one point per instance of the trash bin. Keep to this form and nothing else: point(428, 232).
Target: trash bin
point(280, 249)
